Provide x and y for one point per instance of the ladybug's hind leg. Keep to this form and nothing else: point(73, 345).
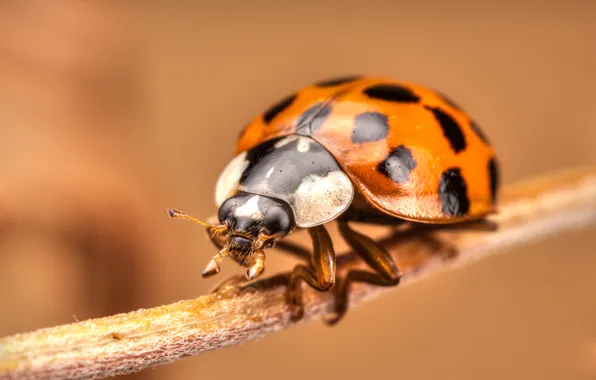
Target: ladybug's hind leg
point(385, 272)
point(320, 275)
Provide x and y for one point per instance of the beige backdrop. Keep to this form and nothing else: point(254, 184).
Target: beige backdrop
point(110, 112)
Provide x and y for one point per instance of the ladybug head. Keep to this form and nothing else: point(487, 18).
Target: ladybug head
point(249, 223)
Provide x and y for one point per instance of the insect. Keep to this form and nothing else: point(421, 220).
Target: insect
point(351, 149)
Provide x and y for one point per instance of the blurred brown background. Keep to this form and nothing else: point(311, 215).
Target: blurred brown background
point(112, 111)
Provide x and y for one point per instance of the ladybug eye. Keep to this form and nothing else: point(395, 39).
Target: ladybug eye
point(278, 220)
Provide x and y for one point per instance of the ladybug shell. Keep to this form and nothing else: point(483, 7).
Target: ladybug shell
point(412, 152)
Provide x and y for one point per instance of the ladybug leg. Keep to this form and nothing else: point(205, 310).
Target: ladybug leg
point(255, 268)
point(284, 246)
point(321, 278)
point(230, 281)
point(385, 272)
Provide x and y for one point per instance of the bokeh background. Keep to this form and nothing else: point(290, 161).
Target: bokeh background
point(113, 111)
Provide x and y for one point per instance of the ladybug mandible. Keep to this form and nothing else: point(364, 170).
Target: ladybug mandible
point(361, 149)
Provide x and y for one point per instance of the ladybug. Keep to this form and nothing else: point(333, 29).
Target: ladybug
point(351, 149)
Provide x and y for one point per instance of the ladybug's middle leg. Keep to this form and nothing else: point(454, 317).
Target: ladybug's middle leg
point(320, 275)
point(385, 272)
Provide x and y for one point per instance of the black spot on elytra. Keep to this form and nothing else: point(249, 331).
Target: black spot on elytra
point(392, 93)
point(476, 128)
point(494, 178)
point(278, 107)
point(337, 81)
point(451, 130)
point(313, 118)
point(453, 193)
point(398, 164)
point(448, 100)
point(370, 126)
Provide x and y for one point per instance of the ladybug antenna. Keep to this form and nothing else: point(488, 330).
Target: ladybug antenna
point(217, 229)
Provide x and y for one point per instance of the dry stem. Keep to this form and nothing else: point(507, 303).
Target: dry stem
point(142, 339)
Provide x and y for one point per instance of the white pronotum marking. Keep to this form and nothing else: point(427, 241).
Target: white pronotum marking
point(303, 145)
point(303, 142)
point(230, 177)
point(250, 209)
point(286, 141)
point(321, 199)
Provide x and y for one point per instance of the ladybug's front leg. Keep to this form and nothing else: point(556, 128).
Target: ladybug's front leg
point(322, 278)
point(375, 256)
point(284, 246)
point(231, 281)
